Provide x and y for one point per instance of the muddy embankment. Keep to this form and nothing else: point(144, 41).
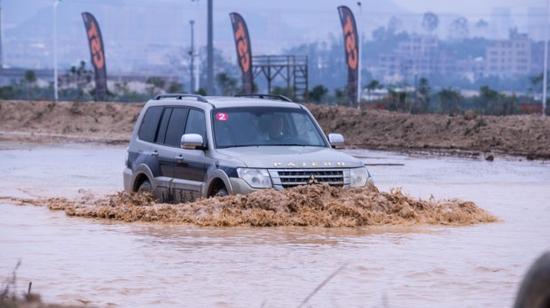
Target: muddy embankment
point(47, 122)
point(525, 135)
point(311, 206)
point(522, 135)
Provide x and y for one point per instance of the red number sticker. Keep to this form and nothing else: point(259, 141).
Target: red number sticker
point(222, 116)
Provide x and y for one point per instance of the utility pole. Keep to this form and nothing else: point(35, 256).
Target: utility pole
point(192, 54)
point(210, 50)
point(360, 62)
point(1, 55)
point(55, 86)
point(545, 73)
point(197, 69)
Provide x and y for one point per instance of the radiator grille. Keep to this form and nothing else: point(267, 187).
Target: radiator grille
point(291, 178)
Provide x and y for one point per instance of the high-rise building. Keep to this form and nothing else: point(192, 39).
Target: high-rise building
point(509, 58)
point(420, 55)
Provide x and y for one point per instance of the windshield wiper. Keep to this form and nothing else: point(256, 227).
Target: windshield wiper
point(293, 145)
point(269, 145)
point(239, 146)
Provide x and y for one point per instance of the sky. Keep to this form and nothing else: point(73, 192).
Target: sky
point(273, 25)
point(466, 7)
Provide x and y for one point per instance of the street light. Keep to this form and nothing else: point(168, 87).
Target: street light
point(192, 54)
point(1, 50)
point(55, 4)
point(545, 73)
point(210, 49)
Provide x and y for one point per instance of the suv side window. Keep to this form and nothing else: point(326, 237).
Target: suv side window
point(149, 124)
point(196, 123)
point(176, 127)
point(163, 125)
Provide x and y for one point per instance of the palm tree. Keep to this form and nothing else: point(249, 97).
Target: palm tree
point(424, 92)
point(373, 85)
point(156, 85)
point(227, 84)
point(318, 93)
point(449, 99)
point(30, 80)
point(488, 99)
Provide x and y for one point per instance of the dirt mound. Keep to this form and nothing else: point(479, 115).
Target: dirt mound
point(37, 121)
point(113, 122)
point(318, 205)
point(525, 135)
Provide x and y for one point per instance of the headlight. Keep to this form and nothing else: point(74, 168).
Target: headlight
point(359, 176)
point(256, 178)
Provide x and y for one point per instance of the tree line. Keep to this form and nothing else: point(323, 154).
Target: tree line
point(424, 99)
point(77, 85)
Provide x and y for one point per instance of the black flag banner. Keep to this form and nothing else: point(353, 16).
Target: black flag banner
point(351, 47)
point(97, 54)
point(244, 51)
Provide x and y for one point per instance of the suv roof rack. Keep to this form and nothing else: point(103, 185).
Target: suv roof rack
point(199, 98)
point(266, 96)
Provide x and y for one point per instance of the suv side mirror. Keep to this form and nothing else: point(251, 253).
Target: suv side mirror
point(336, 140)
point(192, 142)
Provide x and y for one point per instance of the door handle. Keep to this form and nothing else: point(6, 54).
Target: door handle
point(155, 153)
point(179, 159)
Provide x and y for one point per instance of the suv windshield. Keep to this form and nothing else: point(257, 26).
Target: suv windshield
point(264, 126)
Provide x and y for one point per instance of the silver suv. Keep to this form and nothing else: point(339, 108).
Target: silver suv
point(186, 146)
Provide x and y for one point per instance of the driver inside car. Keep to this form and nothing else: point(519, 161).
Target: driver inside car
point(276, 125)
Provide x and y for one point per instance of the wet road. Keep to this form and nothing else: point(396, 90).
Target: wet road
point(70, 260)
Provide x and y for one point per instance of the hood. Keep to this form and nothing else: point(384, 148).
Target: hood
point(291, 157)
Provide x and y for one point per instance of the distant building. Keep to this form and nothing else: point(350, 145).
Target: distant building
point(537, 58)
point(390, 67)
point(420, 55)
point(509, 58)
point(471, 69)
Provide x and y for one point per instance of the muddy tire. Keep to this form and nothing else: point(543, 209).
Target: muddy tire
point(534, 291)
point(145, 187)
point(222, 192)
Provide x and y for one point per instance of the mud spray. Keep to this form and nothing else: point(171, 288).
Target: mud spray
point(317, 205)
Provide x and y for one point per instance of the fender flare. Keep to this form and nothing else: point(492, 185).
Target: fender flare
point(144, 169)
point(217, 174)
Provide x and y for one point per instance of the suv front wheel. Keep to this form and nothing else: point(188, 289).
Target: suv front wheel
point(222, 192)
point(145, 187)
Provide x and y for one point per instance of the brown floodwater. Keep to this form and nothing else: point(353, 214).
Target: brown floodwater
point(75, 260)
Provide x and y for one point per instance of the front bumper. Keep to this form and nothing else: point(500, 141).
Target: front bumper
point(285, 178)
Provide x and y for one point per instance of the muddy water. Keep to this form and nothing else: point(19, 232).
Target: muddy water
point(74, 260)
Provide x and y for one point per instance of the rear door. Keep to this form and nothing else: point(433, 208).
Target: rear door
point(165, 155)
point(172, 139)
point(146, 151)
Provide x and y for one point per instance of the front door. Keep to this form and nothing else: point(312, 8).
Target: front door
point(191, 165)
